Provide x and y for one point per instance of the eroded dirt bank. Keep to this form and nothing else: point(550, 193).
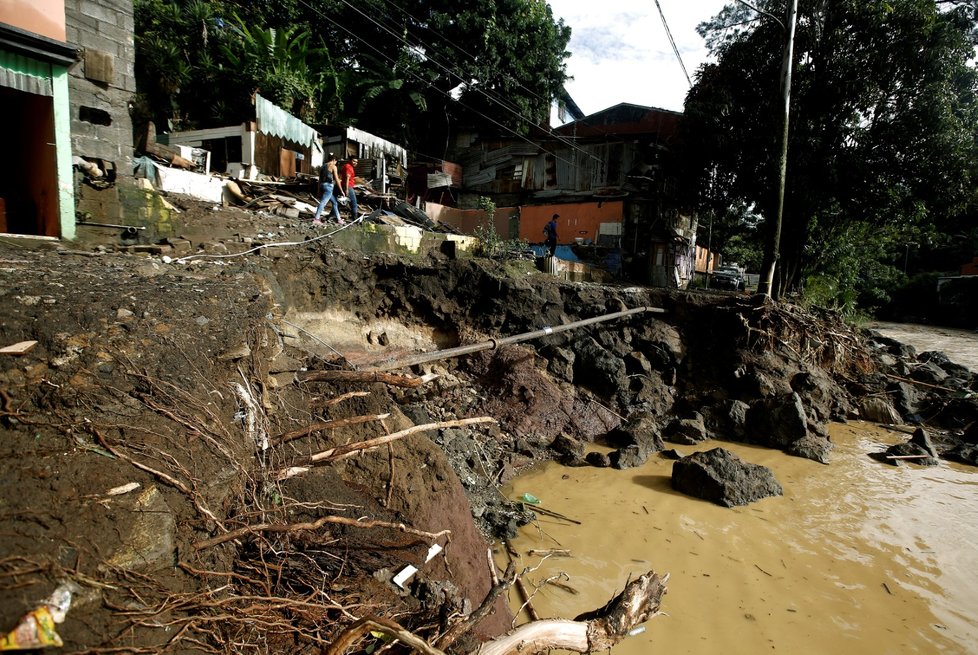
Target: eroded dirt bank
point(187, 379)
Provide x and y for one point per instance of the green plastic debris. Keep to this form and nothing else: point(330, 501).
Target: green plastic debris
point(530, 499)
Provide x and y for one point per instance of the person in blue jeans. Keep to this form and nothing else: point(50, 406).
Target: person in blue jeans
point(329, 178)
point(348, 174)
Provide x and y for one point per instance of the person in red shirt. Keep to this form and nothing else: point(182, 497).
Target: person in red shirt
point(348, 175)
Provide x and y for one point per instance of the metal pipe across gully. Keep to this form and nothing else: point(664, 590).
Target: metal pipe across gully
point(491, 344)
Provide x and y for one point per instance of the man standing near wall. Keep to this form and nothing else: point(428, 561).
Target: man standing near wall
point(550, 230)
point(348, 174)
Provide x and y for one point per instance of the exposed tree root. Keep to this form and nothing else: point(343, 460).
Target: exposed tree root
point(314, 525)
point(591, 632)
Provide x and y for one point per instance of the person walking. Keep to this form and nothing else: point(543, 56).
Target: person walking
point(329, 178)
point(349, 175)
point(550, 230)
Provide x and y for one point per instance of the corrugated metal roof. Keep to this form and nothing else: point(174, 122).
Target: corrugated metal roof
point(25, 74)
point(275, 121)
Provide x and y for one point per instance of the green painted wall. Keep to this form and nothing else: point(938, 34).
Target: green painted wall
point(62, 140)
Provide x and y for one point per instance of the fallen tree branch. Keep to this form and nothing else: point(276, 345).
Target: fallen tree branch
point(485, 608)
point(409, 381)
point(591, 632)
point(348, 450)
point(315, 525)
point(588, 633)
point(286, 437)
point(917, 382)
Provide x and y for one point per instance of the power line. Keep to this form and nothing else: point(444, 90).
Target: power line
point(454, 73)
point(465, 52)
point(673, 42)
point(446, 94)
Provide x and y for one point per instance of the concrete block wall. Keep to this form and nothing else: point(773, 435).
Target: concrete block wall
point(103, 29)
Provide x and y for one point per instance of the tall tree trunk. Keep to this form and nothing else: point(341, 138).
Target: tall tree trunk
point(771, 251)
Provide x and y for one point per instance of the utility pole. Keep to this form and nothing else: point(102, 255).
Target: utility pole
point(772, 247)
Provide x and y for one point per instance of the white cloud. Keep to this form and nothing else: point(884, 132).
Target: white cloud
point(620, 51)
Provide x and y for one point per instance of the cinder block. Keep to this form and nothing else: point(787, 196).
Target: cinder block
point(95, 10)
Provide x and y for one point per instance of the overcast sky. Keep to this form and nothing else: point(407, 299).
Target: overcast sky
point(620, 51)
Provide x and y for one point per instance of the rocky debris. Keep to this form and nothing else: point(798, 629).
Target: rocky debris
point(736, 419)
point(686, 431)
point(918, 450)
point(635, 439)
point(781, 422)
point(560, 363)
point(815, 448)
point(150, 543)
point(568, 450)
point(721, 477)
point(963, 453)
point(181, 363)
point(604, 371)
point(879, 410)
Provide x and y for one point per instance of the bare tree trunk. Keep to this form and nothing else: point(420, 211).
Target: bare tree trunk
point(592, 632)
point(771, 249)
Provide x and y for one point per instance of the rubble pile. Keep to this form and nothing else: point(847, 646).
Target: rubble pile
point(201, 448)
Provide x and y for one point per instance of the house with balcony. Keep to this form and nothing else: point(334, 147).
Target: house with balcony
point(610, 176)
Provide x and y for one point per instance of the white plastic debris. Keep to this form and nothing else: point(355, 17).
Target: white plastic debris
point(432, 552)
point(405, 575)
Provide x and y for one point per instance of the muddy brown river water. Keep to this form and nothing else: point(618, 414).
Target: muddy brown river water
point(856, 557)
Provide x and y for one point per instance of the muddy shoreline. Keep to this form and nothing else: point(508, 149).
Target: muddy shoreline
point(186, 379)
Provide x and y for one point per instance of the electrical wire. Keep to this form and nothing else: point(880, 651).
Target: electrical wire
point(452, 73)
point(385, 56)
point(673, 42)
point(465, 52)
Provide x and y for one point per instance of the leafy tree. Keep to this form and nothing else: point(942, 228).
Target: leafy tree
point(883, 139)
point(283, 64)
point(388, 66)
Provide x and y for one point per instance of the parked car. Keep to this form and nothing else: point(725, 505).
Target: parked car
point(728, 277)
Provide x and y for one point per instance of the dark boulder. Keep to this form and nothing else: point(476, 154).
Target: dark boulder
point(817, 392)
point(892, 346)
point(628, 457)
point(879, 410)
point(721, 477)
point(639, 430)
point(778, 421)
point(964, 453)
point(598, 368)
point(736, 416)
point(812, 447)
point(636, 439)
point(600, 460)
point(560, 363)
point(922, 439)
point(941, 360)
point(919, 450)
point(929, 373)
point(568, 450)
point(686, 431)
point(906, 398)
